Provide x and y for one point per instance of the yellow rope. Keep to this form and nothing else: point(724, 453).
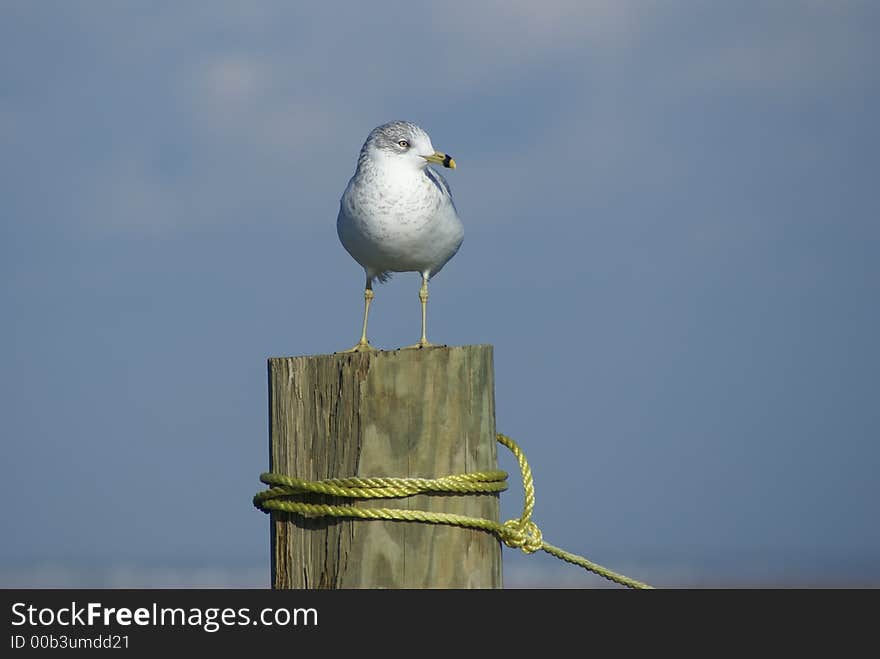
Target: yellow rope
point(520, 533)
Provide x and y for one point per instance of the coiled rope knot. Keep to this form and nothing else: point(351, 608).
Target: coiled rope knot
point(522, 534)
point(285, 494)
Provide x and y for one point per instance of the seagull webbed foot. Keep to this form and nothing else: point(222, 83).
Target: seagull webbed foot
point(362, 346)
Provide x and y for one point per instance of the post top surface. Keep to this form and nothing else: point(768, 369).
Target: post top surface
point(398, 353)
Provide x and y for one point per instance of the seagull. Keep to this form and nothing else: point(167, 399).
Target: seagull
point(397, 213)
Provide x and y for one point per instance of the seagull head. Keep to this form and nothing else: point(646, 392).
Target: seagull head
point(403, 144)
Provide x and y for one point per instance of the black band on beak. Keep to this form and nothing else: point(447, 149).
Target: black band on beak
point(447, 160)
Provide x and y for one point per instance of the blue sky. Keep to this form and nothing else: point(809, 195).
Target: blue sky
point(672, 230)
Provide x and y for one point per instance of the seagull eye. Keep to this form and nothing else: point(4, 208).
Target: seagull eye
point(403, 144)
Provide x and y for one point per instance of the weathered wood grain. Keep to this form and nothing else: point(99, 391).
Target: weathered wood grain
point(420, 413)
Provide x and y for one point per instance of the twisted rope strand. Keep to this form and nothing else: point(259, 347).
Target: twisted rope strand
point(384, 488)
point(520, 533)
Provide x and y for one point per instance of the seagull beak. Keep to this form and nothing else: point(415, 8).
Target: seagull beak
point(441, 159)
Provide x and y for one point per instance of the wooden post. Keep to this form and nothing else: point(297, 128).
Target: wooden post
point(409, 413)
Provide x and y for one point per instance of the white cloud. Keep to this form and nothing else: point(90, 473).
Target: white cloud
point(273, 116)
point(235, 79)
point(787, 48)
point(245, 102)
point(527, 30)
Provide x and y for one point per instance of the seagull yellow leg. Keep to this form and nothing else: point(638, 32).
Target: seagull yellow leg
point(363, 345)
point(423, 298)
